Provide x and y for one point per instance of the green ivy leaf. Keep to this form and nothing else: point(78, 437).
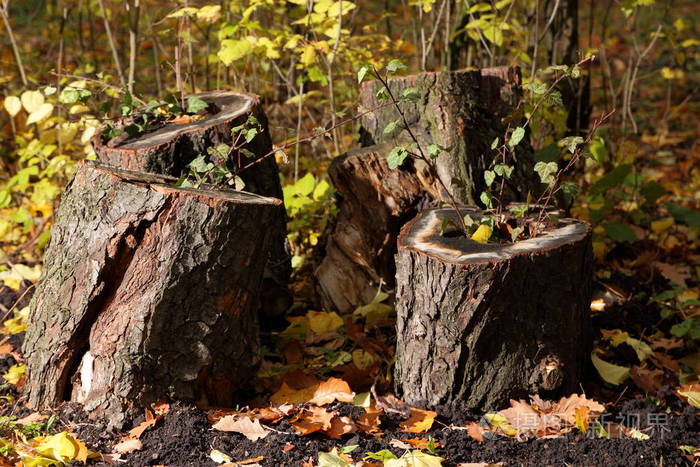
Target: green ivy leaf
point(396, 157)
point(394, 65)
point(391, 127)
point(195, 104)
point(494, 143)
point(489, 177)
point(517, 136)
point(571, 143)
point(537, 88)
point(411, 94)
point(546, 171)
point(503, 170)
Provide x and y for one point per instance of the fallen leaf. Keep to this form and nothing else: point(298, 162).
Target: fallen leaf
point(415, 459)
point(582, 414)
point(691, 393)
point(420, 421)
point(609, 372)
point(675, 273)
point(480, 464)
point(475, 431)
point(219, 457)
point(369, 422)
point(289, 395)
point(421, 443)
point(127, 446)
point(32, 418)
point(566, 407)
point(341, 426)
point(62, 447)
point(392, 404)
point(322, 322)
point(313, 419)
point(334, 389)
point(334, 458)
point(137, 431)
point(498, 421)
point(251, 429)
point(648, 380)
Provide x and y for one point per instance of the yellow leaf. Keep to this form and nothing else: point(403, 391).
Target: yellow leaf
point(582, 418)
point(14, 373)
point(611, 373)
point(298, 329)
point(420, 421)
point(500, 422)
point(482, 234)
point(662, 224)
point(18, 323)
point(362, 399)
point(692, 396)
point(339, 7)
point(232, 50)
point(13, 105)
point(322, 322)
point(209, 12)
point(32, 100)
point(415, 458)
point(63, 448)
point(289, 395)
point(308, 55)
point(362, 359)
point(186, 11)
point(43, 112)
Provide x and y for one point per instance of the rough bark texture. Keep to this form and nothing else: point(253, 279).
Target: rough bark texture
point(359, 247)
point(148, 291)
point(169, 149)
point(464, 111)
point(484, 323)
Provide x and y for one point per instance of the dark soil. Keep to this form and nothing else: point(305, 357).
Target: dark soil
point(184, 437)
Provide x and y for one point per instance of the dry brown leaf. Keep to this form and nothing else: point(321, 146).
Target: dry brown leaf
point(392, 404)
point(6, 349)
point(288, 395)
point(272, 414)
point(674, 273)
point(480, 464)
point(127, 446)
point(288, 447)
point(32, 418)
point(420, 421)
point(566, 407)
point(137, 431)
point(369, 422)
point(160, 408)
point(421, 443)
point(334, 389)
point(313, 419)
point(251, 429)
point(475, 431)
point(341, 426)
point(647, 379)
point(527, 421)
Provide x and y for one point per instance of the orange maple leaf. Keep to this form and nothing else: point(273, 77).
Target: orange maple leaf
point(420, 421)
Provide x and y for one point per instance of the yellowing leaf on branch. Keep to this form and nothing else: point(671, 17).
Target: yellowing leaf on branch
point(42, 113)
point(13, 105)
point(32, 100)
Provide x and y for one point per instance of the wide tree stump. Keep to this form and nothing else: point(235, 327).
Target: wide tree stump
point(169, 148)
point(149, 292)
point(462, 110)
point(485, 323)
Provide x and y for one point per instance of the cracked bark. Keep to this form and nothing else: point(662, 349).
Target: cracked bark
point(169, 149)
point(148, 292)
point(485, 323)
point(464, 111)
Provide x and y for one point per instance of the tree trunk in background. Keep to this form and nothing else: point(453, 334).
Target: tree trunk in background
point(148, 292)
point(169, 149)
point(562, 45)
point(463, 110)
point(485, 323)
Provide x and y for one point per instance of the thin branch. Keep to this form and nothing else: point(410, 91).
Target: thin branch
point(112, 45)
point(18, 58)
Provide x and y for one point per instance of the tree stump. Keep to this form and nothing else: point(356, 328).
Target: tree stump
point(463, 110)
point(485, 323)
point(168, 149)
point(149, 292)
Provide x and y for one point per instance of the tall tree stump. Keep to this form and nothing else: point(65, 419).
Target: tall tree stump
point(168, 149)
point(462, 110)
point(149, 291)
point(485, 323)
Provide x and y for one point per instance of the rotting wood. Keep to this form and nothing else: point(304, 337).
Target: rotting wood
point(148, 292)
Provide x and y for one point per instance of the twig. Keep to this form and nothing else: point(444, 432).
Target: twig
point(18, 58)
point(133, 8)
point(112, 45)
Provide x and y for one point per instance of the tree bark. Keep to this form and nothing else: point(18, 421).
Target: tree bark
point(168, 150)
point(485, 323)
point(359, 246)
point(462, 110)
point(149, 292)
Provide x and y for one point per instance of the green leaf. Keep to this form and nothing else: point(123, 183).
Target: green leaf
point(411, 94)
point(571, 143)
point(550, 153)
point(394, 65)
point(620, 232)
point(494, 143)
point(554, 98)
point(546, 171)
point(610, 373)
point(489, 177)
point(234, 49)
point(195, 104)
point(486, 199)
point(517, 136)
point(396, 157)
point(349, 449)
point(391, 127)
point(220, 151)
point(361, 73)
point(434, 151)
point(598, 149)
point(332, 459)
point(612, 179)
point(381, 456)
point(250, 134)
point(200, 165)
point(537, 88)
point(305, 185)
point(687, 216)
point(503, 170)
